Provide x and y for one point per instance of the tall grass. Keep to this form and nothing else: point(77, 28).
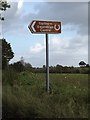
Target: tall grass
point(8, 76)
point(28, 98)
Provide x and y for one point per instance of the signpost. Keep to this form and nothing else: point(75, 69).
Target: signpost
point(45, 27)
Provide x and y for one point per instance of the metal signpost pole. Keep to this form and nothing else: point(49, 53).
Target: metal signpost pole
point(47, 64)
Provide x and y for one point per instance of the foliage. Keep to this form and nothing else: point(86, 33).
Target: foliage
point(18, 66)
point(27, 97)
point(84, 70)
point(3, 6)
point(7, 53)
point(8, 76)
point(87, 65)
point(28, 67)
point(61, 69)
point(82, 64)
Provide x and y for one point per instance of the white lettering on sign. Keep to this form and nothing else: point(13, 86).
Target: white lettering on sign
point(45, 23)
point(50, 27)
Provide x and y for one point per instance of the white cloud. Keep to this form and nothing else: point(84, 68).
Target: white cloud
point(60, 43)
point(55, 41)
point(37, 48)
point(69, 43)
point(20, 5)
point(62, 50)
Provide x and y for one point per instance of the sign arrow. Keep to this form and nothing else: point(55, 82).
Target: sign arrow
point(34, 22)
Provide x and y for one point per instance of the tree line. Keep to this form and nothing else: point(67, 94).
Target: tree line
point(19, 66)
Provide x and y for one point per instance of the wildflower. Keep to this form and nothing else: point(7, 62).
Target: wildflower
point(84, 89)
point(74, 86)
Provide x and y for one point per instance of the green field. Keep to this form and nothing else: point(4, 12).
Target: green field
point(26, 96)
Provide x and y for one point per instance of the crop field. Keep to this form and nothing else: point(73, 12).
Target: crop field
point(26, 97)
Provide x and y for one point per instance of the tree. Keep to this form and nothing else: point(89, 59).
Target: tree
point(87, 65)
point(18, 66)
point(82, 64)
point(28, 67)
point(44, 66)
point(59, 68)
point(7, 53)
point(3, 6)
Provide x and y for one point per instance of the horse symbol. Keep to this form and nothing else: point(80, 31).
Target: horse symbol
point(57, 27)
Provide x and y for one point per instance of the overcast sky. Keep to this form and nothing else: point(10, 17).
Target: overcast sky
point(67, 48)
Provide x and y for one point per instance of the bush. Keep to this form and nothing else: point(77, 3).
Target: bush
point(8, 76)
point(18, 66)
point(84, 70)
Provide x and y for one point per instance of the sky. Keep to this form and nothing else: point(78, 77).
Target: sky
point(67, 48)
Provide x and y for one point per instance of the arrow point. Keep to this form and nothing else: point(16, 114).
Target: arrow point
point(33, 24)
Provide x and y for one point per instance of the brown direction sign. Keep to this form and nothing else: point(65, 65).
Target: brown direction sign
point(50, 27)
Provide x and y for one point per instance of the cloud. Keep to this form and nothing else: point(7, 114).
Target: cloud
point(38, 48)
point(20, 5)
point(69, 55)
point(71, 14)
point(16, 19)
point(11, 19)
point(75, 14)
point(59, 43)
point(65, 49)
point(76, 45)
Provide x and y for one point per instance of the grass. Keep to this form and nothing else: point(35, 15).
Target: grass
point(26, 97)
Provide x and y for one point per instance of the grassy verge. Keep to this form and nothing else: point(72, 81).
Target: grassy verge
point(26, 96)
